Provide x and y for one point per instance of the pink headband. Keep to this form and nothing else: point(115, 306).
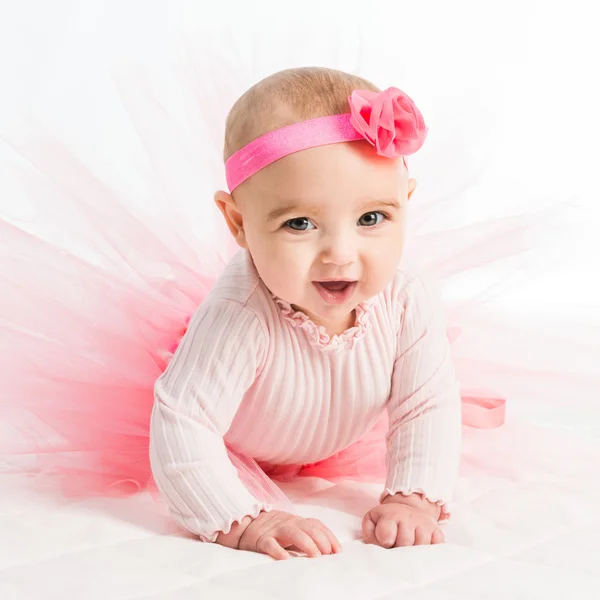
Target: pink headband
point(389, 120)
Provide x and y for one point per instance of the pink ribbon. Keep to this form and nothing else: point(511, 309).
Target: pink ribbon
point(482, 411)
point(480, 408)
point(279, 143)
point(388, 120)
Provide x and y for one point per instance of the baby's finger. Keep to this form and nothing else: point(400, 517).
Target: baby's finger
point(304, 543)
point(438, 536)
point(270, 546)
point(386, 531)
point(422, 536)
point(406, 534)
point(333, 541)
point(368, 530)
point(320, 539)
point(335, 544)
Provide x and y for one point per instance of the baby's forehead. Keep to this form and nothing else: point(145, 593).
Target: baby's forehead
point(312, 175)
point(273, 196)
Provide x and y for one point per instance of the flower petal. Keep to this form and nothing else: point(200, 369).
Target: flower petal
point(389, 120)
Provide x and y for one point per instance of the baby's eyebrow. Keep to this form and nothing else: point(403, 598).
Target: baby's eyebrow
point(391, 202)
point(291, 208)
point(314, 209)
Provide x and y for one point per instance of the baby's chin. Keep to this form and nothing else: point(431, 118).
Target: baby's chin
point(321, 309)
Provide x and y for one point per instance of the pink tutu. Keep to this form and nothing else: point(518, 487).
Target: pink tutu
point(94, 303)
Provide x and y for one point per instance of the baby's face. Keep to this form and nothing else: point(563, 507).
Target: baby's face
point(329, 213)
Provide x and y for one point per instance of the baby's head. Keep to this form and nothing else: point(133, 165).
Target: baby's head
point(332, 212)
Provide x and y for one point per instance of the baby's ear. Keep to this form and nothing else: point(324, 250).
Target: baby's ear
point(412, 184)
point(233, 217)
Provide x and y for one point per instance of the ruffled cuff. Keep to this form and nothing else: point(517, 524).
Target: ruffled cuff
point(210, 534)
point(444, 505)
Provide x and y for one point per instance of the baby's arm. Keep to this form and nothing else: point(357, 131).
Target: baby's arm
point(425, 425)
point(196, 399)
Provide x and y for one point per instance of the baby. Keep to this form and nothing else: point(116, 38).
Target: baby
point(313, 330)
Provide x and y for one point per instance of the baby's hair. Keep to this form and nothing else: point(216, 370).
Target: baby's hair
point(288, 97)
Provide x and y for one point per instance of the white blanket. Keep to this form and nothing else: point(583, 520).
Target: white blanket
point(525, 524)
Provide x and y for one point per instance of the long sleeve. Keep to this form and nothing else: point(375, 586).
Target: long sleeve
point(196, 399)
point(424, 407)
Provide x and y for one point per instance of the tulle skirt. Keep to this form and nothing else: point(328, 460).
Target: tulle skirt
point(97, 289)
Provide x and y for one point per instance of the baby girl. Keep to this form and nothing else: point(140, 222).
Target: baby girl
point(314, 330)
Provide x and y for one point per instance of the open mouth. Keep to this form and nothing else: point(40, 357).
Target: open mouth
point(335, 292)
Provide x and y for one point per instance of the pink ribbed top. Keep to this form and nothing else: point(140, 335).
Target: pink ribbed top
point(253, 373)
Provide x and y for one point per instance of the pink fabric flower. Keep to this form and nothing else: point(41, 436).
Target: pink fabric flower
point(389, 120)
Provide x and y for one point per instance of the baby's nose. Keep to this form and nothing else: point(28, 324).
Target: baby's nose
point(339, 250)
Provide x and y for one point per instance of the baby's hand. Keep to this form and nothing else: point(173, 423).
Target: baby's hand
point(392, 525)
point(273, 532)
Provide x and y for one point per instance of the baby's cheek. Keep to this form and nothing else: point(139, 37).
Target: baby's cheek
point(280, 268)
point(379, 273)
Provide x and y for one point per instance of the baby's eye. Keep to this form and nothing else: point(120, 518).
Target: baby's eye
point(299, 224)
point(371, 218)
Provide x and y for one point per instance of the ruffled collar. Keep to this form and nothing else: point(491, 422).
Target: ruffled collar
point(317, 334)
